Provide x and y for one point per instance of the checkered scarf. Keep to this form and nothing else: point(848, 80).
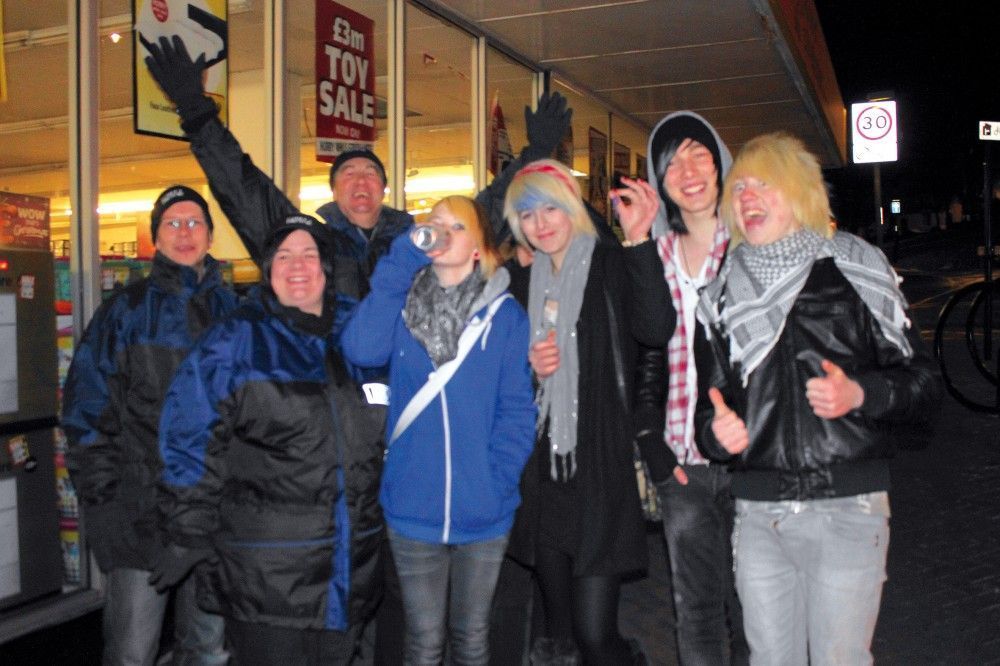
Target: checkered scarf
point(761, 283)
point(678, 355)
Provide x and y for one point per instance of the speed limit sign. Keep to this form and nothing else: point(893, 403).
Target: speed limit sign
point(873, 130)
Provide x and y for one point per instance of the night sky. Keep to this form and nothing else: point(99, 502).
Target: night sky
point(942, 61)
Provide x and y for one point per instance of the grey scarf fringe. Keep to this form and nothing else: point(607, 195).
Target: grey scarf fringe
point(557, 393)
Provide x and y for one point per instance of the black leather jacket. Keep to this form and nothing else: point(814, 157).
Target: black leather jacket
point(793, 453)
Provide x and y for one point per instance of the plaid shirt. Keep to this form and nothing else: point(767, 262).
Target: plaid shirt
point(678, 354)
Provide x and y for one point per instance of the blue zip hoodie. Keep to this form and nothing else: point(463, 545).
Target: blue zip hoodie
point(452, 476)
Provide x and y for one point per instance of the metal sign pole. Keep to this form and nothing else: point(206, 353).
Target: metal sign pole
point(988, 254)
point(879, 231)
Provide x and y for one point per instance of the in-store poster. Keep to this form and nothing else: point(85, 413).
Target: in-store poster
point(597, 193)
point(564, 150)
point(202, 25)
point(622, 160)
point(501, 153)
point(24, 221)
point(345, 80)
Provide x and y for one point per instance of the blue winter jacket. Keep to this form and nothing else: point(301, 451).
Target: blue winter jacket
point(114, 391)
point(272, 457)
point(452, 476)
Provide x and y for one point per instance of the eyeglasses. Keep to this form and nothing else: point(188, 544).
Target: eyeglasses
point(190, 223)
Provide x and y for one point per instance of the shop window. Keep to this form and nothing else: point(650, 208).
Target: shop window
point(508, 91)
point(589, 150)
point(439, 68)
point(40, 552)
point(314, 175)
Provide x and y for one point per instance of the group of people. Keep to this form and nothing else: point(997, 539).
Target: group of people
point(337, 468)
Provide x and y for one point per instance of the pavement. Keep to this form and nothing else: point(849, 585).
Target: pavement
point(941, 602)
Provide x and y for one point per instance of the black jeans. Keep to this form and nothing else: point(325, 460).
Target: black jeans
point(698, 525)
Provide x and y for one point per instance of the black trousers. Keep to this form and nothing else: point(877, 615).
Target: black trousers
point(256, 644)
point(583, 608)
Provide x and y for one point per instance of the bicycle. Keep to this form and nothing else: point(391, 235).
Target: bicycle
point(973, 331)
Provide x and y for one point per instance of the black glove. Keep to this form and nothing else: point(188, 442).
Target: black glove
point(174, 563)
point(547, 126)
point(103, 527)
point(180, 78)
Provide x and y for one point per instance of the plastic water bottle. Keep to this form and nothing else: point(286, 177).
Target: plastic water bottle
point(429, 238)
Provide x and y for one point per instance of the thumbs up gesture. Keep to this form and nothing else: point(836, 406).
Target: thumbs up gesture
point(727, 426)
point(835, 394)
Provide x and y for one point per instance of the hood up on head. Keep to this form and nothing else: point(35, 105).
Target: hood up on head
point(663, 142)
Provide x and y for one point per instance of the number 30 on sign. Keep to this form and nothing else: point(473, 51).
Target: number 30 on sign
point(873, 126)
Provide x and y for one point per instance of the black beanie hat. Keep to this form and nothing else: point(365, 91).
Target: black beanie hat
point(172, 195)
point(673, 133)
point(350, 155)
point(310, 225)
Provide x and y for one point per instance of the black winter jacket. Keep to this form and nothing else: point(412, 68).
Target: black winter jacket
point(794, 454)
point(272, 457)
point(625, 304)
point(114, 392)
point(255, 206)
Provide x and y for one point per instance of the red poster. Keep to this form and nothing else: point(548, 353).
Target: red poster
point(501, 153)
point(24, 221)
point(345, 80)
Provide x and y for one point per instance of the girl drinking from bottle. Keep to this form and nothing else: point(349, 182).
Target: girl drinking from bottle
point(461, 422)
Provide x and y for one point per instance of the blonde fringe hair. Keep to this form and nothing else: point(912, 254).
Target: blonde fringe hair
point(545, 182)
point(471, 214)
point(782, 161)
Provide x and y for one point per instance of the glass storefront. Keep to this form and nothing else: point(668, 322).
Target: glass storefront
point(461, 114)
point(509, 88)
point(439, 60)
point(314, 176)
point(590, 154)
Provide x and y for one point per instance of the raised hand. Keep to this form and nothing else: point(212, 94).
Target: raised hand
point(835, 394)
point(173, 69)
point(635, 206)
point(727, 426)
point(544, 356)
point(548, 124)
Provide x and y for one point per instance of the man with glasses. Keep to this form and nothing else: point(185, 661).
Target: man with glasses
point(114, 393)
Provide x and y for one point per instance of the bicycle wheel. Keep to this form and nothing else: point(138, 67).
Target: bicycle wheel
point(971, 328)
point(971, 296)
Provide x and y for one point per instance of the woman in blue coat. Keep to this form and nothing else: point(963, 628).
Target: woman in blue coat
point(271, 466)
point(461, 424)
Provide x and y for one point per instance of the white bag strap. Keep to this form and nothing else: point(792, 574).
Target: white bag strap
point(435, 383)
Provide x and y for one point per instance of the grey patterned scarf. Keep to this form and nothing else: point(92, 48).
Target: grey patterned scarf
point(759, 284)
point(557, 393)
point(436, 315)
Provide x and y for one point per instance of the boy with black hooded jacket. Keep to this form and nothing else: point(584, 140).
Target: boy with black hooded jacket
point(686, 165)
